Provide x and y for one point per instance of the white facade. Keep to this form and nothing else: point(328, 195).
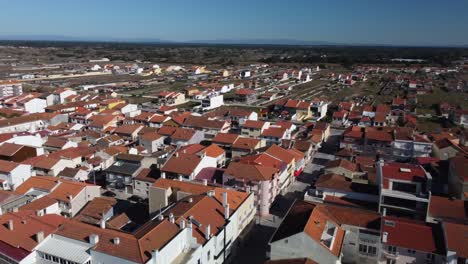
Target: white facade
point(17, 176)
point(34, 141)
point(35, 105)
point(212, 102)
point(130, 110)
point(10, 88)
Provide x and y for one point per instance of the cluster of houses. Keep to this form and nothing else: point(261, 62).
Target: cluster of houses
point(71, 163)
point(204, 178)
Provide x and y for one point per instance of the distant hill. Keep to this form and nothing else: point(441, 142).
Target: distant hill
point(266, 42)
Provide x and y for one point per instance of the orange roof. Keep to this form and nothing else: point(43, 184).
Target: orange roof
point(67, 189)
point(7, 166)
point(246, 143)
point(235, 198)
point(225, 138)
point(39, 182)
point(254, 124)
point(277, 132)
point(280, 153)
point(213, 151)
point(250, 172)
point(38, 204)
point(130, 247)
point(183, 164)
point(25, 226)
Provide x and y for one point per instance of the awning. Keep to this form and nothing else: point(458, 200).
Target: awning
point(65, 248)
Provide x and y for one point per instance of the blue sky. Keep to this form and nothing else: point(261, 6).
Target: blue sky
point(409, 22)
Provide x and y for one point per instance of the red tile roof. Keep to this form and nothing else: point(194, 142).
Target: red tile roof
point(183, 164)
point(410, 172)
point(225, 138)
point(457, 239)
point(410, 234)
point(250, 172)
point(25, 226)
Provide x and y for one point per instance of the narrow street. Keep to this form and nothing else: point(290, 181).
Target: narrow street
point(255, 248)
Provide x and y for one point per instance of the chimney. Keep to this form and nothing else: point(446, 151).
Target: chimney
point(384, 237)
point(182, 224)
point(102, 223)
point(211, 193)
point(10, 224)
point(207, 232)
point(190, 200)
point(39, 236)
point(177, 154)
point(225, 200)
point(189, 223)
point(70, 197)
point(171, 218)
point(163, 175)
point(247, 189)
point(116, 240)
point(226, 211)
point(180, 178)
point(205, 182)
point(160, 217)
point(93, 239)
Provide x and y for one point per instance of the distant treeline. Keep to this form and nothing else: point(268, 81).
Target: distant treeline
point(234, 54)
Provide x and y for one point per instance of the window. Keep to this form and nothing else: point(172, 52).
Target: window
point(411, 251)
point(362, 249)
point(372, 250)
point(208, 255)
point(391, 261)
point(391, 249)
point(367, 250)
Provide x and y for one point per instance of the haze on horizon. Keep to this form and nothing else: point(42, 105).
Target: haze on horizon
point(431, 22)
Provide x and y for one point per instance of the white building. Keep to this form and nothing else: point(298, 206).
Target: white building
point(204, 235)
point(35, 105)
point(319, 109)
point(10, 88)
point(212, 101)
point(13, 174)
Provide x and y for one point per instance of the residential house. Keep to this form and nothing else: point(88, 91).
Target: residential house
point(151, 141)
point(404, 189)
point(74, 174)
point(318, 108)
point(246, 95)
point(71, 195)
point(308, 230)
point(399, 245)
point(186, 166)
point(253, 128)
point(209, 127)
point(22, 232)
point(126, 167)
point(53, 144)
point(243, 146)
point(262, 181)
point(128, 132)
point(171, 98)
point(340, 118)
point(15, 152)
point(13, 174)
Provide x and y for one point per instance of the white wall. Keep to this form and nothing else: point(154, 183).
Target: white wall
point(35, 105)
